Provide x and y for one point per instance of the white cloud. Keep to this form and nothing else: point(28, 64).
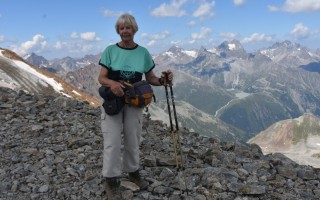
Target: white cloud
point(73, 46)
point(74, 35)
point(78, 44)
point(89, 36)
point(37, 43)
point(205, 9)
point(1, 38)
point(300, 31)
point(159, 36)
point(155, 38)
point(238, 2)
point(192, 41)
point(111, 13)
point(59, 45)
point(295, 6)
point(86, 36)
point(229, 35)
point(176, 43)
point(173, 9)
point(204, 33)
point(151, 43)
point(273, 8)
point(191, 23)
point(37, 40)
point(257, 37)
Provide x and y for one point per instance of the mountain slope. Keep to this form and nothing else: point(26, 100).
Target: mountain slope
point(196, 121)
point(253, 113)
point(298, 138)
point(19, 75)
point(85, 79)
point(192, 97)
point(57, 154)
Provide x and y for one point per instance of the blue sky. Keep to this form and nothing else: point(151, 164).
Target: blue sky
point(60, 28)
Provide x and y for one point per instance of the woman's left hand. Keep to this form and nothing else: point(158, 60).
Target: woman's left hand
point(168, 77)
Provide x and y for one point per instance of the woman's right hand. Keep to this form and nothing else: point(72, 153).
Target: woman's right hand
point(117, 88)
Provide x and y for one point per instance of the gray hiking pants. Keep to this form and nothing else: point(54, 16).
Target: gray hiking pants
point(129, 123)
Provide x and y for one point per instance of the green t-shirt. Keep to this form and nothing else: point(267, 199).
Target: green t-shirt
point(126, 64)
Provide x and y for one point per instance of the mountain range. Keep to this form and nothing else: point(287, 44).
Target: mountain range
point(223, 92)
point(229, 88)
point(261, 88)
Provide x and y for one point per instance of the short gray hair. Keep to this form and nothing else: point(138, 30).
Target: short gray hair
point(127, 19)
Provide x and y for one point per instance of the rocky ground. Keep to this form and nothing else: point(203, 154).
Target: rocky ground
point(51, 148)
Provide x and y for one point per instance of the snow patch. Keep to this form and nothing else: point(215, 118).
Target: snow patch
point(191, 53)
point(169, 54)
point(42, 79)
point(7, 85)
point(77, 93)
point(213, 51)
point(232, 46)
point(56, 86)
point(242, 95)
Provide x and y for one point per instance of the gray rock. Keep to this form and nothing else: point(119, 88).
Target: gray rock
point(44, 188)
point(51, 148)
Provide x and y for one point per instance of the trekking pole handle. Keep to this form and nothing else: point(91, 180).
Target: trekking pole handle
point(166, 80)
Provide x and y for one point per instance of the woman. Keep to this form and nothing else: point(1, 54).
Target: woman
point(125, 61)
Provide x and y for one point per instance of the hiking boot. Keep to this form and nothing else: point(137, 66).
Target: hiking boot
point(113, 188)
point(136, 178)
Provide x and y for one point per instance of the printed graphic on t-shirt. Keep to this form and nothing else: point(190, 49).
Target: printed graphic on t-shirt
point(127, 73)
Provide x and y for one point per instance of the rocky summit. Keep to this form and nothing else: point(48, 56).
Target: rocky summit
point(51, 148)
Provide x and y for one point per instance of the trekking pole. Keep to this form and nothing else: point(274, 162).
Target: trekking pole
point(177, 131)
point(171, 126)
point(176, 122)
point(172, 129)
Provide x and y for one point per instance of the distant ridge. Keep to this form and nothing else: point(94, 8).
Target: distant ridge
point(22, 75)
point(279, 82)
point(298, 138)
